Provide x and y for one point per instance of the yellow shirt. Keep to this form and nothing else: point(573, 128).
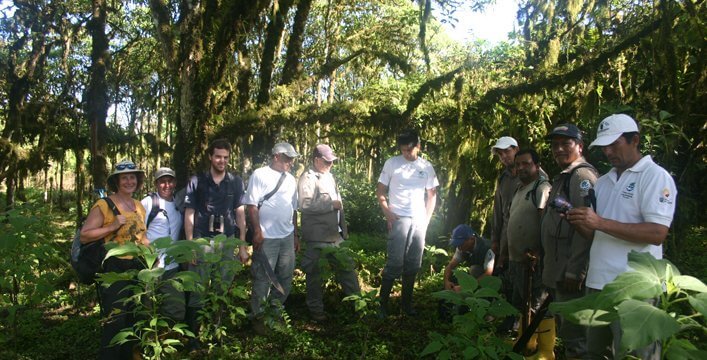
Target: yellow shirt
point(133, 230)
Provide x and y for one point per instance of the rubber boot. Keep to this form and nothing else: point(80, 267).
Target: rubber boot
point(546, 340)
point(532, 344)
point(191, 317)
point(386, 287)
point(408, 287)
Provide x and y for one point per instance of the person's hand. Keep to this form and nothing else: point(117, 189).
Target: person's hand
point(336, 204)
point(119, 221)
point(243, 255)
point(584, 217)
point(390, 218)
point(257, 240)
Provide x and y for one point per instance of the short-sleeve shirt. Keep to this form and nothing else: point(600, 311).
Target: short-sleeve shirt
point(480, 255)
point(566, 250)
point(407, 182)
point(524, 220)
point(134, 228)
point(644, 193)
point(276, 213)
point(167, 223)
point(208, 198)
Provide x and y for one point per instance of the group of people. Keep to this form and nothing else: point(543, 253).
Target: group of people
point(581, 243)
point(571, 236)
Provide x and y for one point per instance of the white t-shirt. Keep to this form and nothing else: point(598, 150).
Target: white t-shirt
point(643, 193)
point(407, 182)
point(275, 213)
point(167, 222)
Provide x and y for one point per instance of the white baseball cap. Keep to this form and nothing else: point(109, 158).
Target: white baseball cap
point(612, 127)
point(504, 142)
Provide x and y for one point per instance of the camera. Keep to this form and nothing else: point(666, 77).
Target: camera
point(560, 204)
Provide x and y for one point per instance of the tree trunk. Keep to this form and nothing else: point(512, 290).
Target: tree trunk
point(272, 39)
point(293, 68)
point(97, 93)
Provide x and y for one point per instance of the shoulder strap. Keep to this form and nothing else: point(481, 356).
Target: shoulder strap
point(155, 208)
point(111, 206)
point(590, 199)
point(202, 190)
point(277, 187)
point(534, 191)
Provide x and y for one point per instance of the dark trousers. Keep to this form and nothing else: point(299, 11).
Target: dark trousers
point(111, 299)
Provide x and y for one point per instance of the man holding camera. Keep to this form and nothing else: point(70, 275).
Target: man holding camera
point(566, 250)
point(634, 209)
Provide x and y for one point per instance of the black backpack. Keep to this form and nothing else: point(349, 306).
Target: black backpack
point(155, 208)
point(87, 259)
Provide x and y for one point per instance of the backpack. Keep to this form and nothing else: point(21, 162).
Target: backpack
point(532, 194)
point(155, 208)
point(87, 259)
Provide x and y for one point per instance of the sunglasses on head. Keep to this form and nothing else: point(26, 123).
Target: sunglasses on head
point(130, 166)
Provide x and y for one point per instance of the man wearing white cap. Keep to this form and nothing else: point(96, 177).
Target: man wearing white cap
point(506, 148)
point(323, 227)
point(164, 220)
point(271, 203)
point(634, 210)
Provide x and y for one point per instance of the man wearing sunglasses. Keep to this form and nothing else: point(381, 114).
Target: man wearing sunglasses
point(271, 201)
point(323, 228)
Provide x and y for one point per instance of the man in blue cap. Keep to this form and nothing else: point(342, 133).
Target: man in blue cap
point(471, 249)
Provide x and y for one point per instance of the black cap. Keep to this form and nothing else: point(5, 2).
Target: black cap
point(568, 130)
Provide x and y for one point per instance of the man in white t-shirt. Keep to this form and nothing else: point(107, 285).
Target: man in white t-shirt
point(410, 184)
point(634, 210)
point(274, 236)
point(164, 220)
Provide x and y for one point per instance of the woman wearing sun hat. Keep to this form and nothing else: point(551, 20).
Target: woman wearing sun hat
point(128, 226)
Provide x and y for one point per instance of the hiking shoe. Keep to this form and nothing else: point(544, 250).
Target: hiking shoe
point(318, 316)
point(259, 327)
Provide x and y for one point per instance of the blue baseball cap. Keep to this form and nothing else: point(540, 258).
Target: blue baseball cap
point(460, 234)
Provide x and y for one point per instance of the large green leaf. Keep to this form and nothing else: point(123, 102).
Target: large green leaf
point(162, 243)
point(638, 285)
point(490, 282)
point(682, 349)
point(643, 323)
point(645, 262)
point(585, 310)
point(466, 281)
point(699, 302)
point(150, 276)
point(686, 282)
point(431, 348)
point(123, 250)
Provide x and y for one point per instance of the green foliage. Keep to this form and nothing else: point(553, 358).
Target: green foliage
point(677, 315)
point(363, 214)
point(474, 333)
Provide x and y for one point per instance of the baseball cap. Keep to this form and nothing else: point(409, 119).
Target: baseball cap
point(568, 130)
point(164, 171)
point(460, 234)
point(125, 166)
point(325, 152)
point(612, 127)
point(284, 148)
point(504, 142)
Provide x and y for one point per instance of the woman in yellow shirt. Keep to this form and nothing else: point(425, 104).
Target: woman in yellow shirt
point(129, 225)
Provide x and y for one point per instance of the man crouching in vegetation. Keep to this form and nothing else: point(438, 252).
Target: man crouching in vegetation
point(410, 184)
point(323, 226)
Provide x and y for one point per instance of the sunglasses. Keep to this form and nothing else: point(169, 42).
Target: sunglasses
point(130, 166)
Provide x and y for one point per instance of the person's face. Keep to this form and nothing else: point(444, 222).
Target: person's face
point(565, 150)
point(322, 165)
point(468, 245)
point(165, 187)
point(526, 170)
point(621, 154)
point(219, 159)
point(410, 151)
point(282, 163)
point(506, 155)
point(127, 183)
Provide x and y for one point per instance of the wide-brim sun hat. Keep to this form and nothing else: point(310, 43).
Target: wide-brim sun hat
point(125, 166)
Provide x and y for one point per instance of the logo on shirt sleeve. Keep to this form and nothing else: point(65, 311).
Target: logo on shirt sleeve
point(665, 197)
